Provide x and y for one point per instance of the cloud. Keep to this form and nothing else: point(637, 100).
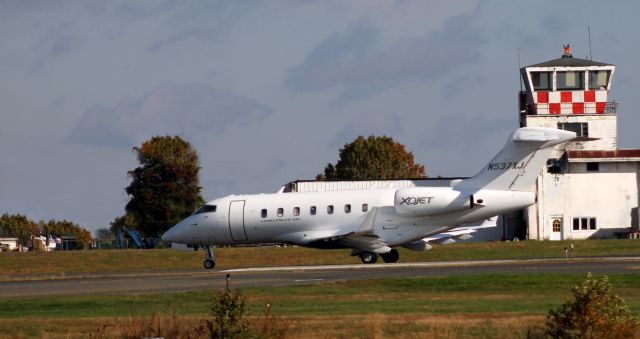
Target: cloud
point(368, 124)
point(353, 62)
point(56, 44)
point(189, 109)
point(467, 130)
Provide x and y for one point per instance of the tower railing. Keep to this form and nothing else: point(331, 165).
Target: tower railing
point(597, 108)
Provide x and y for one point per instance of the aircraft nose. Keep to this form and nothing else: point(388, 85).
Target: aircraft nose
point(174, 234)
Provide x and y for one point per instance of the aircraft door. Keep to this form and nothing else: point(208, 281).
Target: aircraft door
point(236, 220)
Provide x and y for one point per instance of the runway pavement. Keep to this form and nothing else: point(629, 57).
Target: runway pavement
point(192, 280)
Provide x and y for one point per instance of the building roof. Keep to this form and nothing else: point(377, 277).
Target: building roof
point(569, 62)
point(609, 155)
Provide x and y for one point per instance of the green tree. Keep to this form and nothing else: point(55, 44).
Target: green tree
point(165, 188)
point(18, 226)
point(373, 158)
point(592, 312)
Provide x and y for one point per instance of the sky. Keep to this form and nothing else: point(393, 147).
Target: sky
point(268, 91)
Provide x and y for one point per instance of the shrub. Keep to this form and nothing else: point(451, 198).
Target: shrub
point(227, 309)
point(592, 312)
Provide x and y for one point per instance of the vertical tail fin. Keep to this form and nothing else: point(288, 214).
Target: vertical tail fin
point(516, 166)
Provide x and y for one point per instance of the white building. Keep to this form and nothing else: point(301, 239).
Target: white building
point(590, 187)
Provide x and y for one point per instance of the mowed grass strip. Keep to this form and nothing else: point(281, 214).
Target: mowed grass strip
point(487, 293)
point(487, 305)
point(34, 265)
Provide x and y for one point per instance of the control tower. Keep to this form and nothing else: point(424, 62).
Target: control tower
point(571, 94)
point(589, 188)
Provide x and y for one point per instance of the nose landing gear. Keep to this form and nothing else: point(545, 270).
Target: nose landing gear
point(210, 260)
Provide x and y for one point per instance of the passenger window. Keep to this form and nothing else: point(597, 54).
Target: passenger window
point(280, 212)
point(264, 213)
point(312, 210)
point(296, 211)
point(347, 208)
point(365, 207)
point(330, 209)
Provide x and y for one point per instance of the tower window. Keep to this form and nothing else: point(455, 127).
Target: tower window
point(598, 80)
point(541, 81)
point(593, 166)
point(569, 80)
point(580, 128)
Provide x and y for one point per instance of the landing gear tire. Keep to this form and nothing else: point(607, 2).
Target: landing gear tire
point(209, 264)
point(210, 260)
point(390, 257)
point(368, 257)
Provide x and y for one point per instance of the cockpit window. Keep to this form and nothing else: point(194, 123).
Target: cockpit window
point(206, 209)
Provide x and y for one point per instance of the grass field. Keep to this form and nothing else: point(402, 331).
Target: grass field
point(460, 306)
point(19, 265)
point(477, 306)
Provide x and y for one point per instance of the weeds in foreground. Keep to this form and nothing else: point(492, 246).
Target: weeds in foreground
point(228, 320)
point(592, 312)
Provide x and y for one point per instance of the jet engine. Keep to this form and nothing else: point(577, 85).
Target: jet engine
point(428, 201)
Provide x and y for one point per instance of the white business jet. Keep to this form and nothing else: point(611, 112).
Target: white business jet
point(374, 221)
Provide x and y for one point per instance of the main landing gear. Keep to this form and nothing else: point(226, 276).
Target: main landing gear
point(371, 258)
point(391, 256)
point(210, 260)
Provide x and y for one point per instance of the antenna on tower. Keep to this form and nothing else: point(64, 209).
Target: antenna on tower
point(589, 33)
point(519, 67)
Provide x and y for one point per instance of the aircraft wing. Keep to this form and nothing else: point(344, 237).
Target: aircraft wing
point(361, 240)
point(365, 243)
point(461, 233)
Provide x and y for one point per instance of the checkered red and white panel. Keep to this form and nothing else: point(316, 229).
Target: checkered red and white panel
point(571, 102)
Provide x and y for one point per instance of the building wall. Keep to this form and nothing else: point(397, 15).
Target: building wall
point(610, 195)
point(602, 129)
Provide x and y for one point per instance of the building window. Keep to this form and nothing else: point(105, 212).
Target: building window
point(593, 166)
point(330, 209)
point(569, 80)
point(365, 207)
point(555, 166)
point(296, 211)
point(264, 213)
point(541, 81)
point(598, 80)
point(312, 210)
point(580, 128)
point(280, 212)
point(555, 226)
point(584, 224)
point(347, 208)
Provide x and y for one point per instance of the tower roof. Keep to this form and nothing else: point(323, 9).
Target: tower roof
point(569, 62)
